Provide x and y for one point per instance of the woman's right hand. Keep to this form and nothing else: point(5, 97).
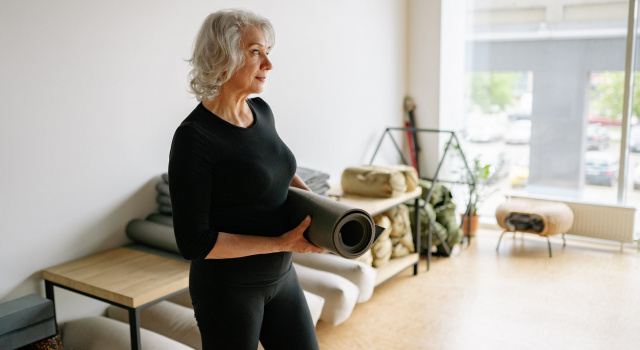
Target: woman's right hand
point(294, 241)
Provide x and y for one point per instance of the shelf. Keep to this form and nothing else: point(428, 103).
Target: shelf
point(395, 266)
point(372, 205)
point(375, 206)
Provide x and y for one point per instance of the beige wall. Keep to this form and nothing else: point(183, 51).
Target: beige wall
point(93, 91)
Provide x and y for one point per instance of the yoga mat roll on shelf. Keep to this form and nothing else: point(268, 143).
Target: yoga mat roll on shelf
point(152, 234)
point(341, 229)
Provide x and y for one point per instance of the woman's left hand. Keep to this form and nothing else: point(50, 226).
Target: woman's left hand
point(294, 241)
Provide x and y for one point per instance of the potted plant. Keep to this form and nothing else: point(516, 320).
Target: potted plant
point(482, 178)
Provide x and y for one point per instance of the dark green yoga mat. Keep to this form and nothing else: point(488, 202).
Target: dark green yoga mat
point(341, 229)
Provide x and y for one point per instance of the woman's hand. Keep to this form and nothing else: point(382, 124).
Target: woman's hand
point(294, 241)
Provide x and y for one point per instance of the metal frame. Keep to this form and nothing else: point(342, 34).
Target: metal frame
point(627, 110)
point(564, 242)
point(134, 312)
point(471, 183)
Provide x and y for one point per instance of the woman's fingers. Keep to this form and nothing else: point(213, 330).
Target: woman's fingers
point(300, 244)
point(304, 224)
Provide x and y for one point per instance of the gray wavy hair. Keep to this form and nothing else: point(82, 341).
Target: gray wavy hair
point(217, 54)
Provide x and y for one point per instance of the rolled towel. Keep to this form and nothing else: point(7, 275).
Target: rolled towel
point(373, 182)
point(366, 259)
point(400, 222)
point(382, 249)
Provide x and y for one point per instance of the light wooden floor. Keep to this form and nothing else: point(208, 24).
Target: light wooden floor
point(586, 297)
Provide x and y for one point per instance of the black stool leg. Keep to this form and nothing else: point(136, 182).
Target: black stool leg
point(549, 244)
point(503, 232)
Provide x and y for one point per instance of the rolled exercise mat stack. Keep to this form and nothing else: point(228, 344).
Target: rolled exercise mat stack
point(317, 181)
point(379, 181)
point(164, 197)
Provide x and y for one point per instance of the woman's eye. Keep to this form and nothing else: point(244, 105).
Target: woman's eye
point(255, 52)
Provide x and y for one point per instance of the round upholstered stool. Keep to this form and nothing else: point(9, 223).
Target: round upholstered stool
point(544, 218)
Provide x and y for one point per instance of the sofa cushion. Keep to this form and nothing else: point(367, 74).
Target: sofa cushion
point(340, 295)
point(357, 272)
point(25, 320)
point(98, 333)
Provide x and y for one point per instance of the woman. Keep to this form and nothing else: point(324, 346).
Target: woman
point(230, 173)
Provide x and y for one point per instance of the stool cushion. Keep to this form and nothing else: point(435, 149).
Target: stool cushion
point(98, 333)
point(171, 320)
point(556, 216)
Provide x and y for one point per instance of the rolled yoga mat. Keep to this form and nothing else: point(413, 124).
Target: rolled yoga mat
point(152, 234)
point(341, 229)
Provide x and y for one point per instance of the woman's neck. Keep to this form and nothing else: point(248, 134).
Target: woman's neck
point(233, 109)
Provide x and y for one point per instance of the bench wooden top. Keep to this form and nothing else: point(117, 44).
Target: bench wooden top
point(373, 205)
point(122, 275)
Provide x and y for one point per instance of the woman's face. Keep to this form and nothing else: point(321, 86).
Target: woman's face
point(251, 77)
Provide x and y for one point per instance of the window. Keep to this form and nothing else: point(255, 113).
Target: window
point(544, 101)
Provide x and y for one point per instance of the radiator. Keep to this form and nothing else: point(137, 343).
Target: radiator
point(610, 222)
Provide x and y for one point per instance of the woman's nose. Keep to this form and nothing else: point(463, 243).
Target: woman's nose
point(266, 64)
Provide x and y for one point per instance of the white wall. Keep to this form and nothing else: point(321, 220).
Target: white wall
point(436, 49)
point(91, 93)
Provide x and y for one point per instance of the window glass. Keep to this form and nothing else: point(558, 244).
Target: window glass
point(544, 92)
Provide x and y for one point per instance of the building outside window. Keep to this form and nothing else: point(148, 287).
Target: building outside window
point(544, 99)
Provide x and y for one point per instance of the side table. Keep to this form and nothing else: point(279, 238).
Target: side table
point(123, 277)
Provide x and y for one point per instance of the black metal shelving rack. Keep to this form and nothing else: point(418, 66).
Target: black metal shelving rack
point(452, 142)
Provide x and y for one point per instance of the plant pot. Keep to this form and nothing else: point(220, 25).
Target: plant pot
point(465, 225)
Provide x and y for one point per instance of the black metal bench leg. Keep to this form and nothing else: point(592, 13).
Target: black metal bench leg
point(134, 328)
point(503, 232)
point(48, 290)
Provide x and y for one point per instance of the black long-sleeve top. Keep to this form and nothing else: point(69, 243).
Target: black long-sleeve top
point(226, 178)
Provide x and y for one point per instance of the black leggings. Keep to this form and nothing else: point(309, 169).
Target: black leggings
point(236, 316)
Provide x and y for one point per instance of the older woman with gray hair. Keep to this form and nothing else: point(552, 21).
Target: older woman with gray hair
point(230, 173)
